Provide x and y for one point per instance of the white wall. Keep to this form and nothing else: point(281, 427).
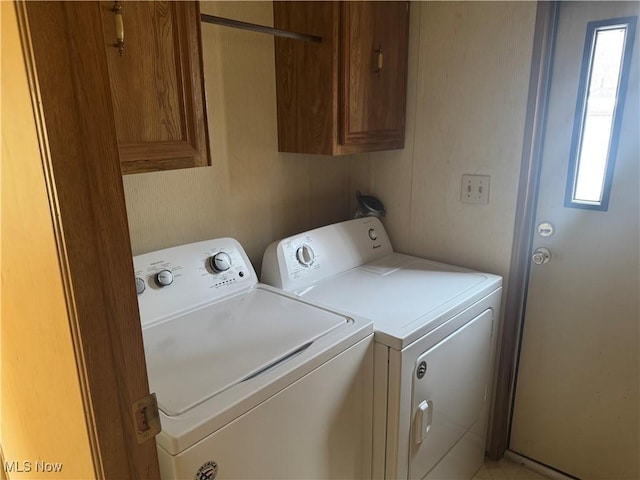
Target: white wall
point(469, 67)
point(251, 192)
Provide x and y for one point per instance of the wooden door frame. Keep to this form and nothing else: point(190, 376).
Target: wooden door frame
point(64, 52)
point(516, 293)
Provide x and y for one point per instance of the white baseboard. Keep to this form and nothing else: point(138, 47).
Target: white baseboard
point(536, 467)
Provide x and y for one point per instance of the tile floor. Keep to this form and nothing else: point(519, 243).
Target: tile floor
point(506, 469)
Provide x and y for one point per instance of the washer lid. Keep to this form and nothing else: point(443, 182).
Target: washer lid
point(406, 297)
point(198, 355)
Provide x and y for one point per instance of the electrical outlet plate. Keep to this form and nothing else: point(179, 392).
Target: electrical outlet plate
point(475, 189)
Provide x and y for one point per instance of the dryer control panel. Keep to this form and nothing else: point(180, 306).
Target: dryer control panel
point(177, 279)
point(298, 261)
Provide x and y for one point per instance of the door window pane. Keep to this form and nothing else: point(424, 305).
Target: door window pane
point(599, 112)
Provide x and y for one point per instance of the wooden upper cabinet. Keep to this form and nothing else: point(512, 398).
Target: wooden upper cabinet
point(346, 94)
point(157, 85)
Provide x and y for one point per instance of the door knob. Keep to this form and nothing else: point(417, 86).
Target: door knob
point(541, 256)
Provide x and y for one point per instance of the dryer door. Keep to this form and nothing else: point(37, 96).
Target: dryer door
point(449, 403)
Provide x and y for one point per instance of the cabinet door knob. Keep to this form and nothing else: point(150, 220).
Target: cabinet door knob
point(117, 10)
point(379, 60)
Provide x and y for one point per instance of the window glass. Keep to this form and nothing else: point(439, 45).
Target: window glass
point(598, 113)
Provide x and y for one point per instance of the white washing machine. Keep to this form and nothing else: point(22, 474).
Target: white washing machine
point(251, 382)
point(435, 334)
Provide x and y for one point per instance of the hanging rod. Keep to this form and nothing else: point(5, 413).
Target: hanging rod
point(227, 22)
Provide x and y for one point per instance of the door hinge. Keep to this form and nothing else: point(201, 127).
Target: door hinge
point(146, 418)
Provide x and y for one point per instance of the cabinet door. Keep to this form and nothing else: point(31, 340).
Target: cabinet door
point(373, 99)
point(157, 85)
point(306, 77)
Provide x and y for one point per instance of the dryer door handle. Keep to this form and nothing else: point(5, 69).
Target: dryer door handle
point(424, 416)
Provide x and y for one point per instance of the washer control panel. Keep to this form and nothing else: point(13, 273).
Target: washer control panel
point(176, 279)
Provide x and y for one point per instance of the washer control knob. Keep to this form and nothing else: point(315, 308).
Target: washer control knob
point(220, 262)
point(372, 234)
point(305, 255)
point(140, 286)
point(164, 278)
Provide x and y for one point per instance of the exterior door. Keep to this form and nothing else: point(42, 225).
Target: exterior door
point(576, 406)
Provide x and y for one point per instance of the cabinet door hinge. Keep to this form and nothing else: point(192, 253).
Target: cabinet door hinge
point(146, 418)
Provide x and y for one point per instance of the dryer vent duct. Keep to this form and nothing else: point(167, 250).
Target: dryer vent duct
point(368, 206)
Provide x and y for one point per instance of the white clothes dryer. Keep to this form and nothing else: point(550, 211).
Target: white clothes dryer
point(251, 382)
point(435, 334)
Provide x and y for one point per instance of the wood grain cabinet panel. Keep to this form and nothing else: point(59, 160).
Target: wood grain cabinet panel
point(346, 94)
point(157, 85)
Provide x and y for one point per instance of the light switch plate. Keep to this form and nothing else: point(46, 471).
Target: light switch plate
point(475, 189)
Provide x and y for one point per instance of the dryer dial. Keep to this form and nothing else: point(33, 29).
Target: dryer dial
point(220, 262)
point(305, 255)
